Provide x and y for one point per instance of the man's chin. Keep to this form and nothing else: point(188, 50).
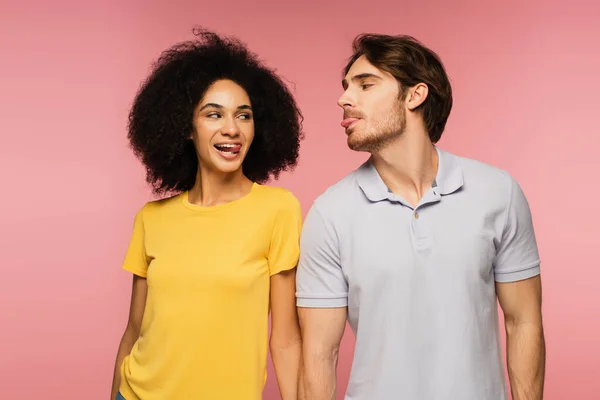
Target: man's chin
point(371, 143)
point(358, 145)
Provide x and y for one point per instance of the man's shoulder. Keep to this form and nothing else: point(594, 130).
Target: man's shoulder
point(491, 185)
point(483, 173)
point(339, 195)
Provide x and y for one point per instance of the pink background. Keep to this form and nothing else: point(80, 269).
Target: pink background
point(526, 84)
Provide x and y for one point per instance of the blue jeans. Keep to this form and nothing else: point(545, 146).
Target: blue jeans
point(120, 396)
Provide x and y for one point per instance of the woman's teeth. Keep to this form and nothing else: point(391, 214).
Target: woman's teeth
point(229, 148)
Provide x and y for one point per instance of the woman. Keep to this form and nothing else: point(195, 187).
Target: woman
point(209, 263)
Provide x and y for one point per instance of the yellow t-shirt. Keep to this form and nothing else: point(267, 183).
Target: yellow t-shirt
point(204, 334)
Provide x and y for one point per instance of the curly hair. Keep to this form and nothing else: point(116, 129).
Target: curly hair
point(161, 118)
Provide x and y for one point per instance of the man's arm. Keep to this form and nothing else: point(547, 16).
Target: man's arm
point(322, 331)
point(322, 300)
point(526, 353)
point(518, 287)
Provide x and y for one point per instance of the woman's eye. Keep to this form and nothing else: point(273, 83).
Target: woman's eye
point(213, 115)
point(366, 86)
point(245, 116)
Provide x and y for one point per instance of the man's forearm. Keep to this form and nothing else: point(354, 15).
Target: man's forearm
point(318, 378)
point(526, 357)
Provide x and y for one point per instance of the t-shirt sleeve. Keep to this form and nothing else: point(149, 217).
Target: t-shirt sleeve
point(517, 256)
point(320, 280)
point(136, 260)
point(285, 247)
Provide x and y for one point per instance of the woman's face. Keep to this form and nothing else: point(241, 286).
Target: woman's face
point(224, 127)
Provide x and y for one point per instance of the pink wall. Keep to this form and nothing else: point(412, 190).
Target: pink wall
point(526, 85)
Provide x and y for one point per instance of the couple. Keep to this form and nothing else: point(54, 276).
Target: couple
point(414, 248)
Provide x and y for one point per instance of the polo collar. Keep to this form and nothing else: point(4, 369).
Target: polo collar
point(450, 175)
point(448, 180)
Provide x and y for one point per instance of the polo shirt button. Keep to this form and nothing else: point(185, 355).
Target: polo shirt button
point(416, 215)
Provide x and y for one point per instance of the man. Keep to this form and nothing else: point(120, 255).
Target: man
point(414, 248)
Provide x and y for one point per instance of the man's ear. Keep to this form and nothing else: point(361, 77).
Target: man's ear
point(416, 96)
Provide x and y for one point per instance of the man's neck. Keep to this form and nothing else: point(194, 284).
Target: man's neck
point(408, 166)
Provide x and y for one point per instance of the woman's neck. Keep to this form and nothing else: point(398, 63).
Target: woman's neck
point(214, 188)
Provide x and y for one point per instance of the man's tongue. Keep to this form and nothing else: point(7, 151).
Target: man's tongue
point(348, 121)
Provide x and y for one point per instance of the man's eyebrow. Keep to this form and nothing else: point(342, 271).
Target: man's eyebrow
point(359, 77)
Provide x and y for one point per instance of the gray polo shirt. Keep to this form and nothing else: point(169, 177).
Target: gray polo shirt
point(419, 283)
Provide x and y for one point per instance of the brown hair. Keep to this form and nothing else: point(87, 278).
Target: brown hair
point(411, 63)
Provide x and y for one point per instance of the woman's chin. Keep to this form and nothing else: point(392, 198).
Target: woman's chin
point(227, 167)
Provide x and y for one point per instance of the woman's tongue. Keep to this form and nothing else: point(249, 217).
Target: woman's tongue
point(228, 148)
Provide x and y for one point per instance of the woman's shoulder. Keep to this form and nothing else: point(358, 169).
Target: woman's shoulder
point(277, 197)
point(160, 206)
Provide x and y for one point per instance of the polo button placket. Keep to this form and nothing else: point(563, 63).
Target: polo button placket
point(419, 226)
point(418, 231)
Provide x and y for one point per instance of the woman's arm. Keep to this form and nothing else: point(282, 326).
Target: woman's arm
point(286, 342)
point(132, 331)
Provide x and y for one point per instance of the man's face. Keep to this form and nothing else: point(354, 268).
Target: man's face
point(374, 113)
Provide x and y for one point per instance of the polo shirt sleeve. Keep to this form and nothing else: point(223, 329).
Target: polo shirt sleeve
point(517, 255)
point(136, 260)
point(320, 280)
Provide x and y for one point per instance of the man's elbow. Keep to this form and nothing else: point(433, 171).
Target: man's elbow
point(319, 359)
point(515, 324)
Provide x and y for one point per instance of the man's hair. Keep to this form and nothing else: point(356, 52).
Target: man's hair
point(411, 63)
